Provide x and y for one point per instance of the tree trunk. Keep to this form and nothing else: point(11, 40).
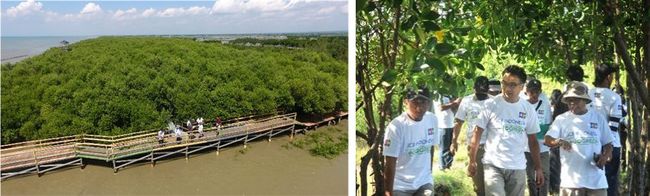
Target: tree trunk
point(363, 172)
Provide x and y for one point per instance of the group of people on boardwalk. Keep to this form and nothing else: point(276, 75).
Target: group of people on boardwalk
point(516, 136)
point(189, 126)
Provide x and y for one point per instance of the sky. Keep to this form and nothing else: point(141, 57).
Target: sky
point(82, 18)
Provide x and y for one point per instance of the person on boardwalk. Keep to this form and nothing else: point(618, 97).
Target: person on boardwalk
point(161, 136)
point(408, 147)
point(510, 122)
point(608, 104)
point(585, 144)
point(543, 108)
point(199, 121)
point(217, 123)
point(470, 107)
point(189, 125)
point(179, 133)
point(443, 110)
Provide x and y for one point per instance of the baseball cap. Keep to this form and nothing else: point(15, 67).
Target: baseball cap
point(534, 85)
point(420, 92)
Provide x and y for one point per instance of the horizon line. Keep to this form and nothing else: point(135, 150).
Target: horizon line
point(163, 34)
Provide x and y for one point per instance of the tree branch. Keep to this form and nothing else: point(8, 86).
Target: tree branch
point(621, 49)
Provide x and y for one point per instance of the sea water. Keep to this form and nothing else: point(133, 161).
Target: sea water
point(15, 48)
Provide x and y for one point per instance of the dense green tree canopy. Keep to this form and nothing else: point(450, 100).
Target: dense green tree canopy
point(335, 46)
point(115, 85)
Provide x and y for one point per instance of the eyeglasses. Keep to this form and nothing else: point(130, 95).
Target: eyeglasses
point(510, 85)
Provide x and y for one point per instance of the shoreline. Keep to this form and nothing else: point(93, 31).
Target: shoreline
point(15, 59)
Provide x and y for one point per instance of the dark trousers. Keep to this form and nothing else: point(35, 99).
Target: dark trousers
point(554, 178)
point(445, 142)
point(611, 171)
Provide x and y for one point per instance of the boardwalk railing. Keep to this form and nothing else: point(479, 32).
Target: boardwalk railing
point(32, 156)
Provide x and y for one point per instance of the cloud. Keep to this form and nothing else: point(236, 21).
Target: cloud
point(149, 12)
point(24, 8)
point(236, 6)
point(91, 8)
point(326, 10)
point(123, 15)
point(173, 12)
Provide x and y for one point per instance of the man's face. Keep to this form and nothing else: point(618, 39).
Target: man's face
point(576, 105)
point(511, 86)
point(417, 107)
point(533, 96)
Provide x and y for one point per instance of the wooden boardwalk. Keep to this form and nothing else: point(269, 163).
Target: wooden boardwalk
point(41, 156)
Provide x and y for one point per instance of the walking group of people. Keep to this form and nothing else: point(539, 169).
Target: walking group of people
point(514, 134)
point(190, 126)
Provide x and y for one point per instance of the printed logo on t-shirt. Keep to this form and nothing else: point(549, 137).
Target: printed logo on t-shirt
point(540, 112)
point(593, 125)
point(514, 126)
point(583, 137)
point(597, 95)
point(387, 142)
point(420, 147)
point(522, 115)
point(430, 131)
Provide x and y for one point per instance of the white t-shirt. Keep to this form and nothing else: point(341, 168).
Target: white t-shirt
point(178, 132)
point(468, 111)
point(608, 104)
point(544, 118)
point(410, 142)
point(587, 134)
point(200, 122)
point(507, 126)
point(161, 134)
point(446, 117)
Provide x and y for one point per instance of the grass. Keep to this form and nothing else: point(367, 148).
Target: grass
point(326, 142)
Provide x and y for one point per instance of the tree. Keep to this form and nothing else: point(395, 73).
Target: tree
point(402, 42)
point(115, 85)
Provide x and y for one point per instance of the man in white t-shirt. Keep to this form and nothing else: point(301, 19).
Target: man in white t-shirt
point(443, 110)
point(178, 133)
point(608, 104)
point(511, 124)
point(585, 141)
point(470, 107)
point(199, 121)
point(408, 147)
point(543, 108)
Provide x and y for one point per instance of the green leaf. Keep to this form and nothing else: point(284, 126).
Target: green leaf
point(397, 3)
point(429, 15)
point(371, 6)
point(410, 22)
point(462, 30)
point(444, 48)
point(479, 66)
point(430, 44)
point(389, 76)
point(430, 26)
point(436, 63)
